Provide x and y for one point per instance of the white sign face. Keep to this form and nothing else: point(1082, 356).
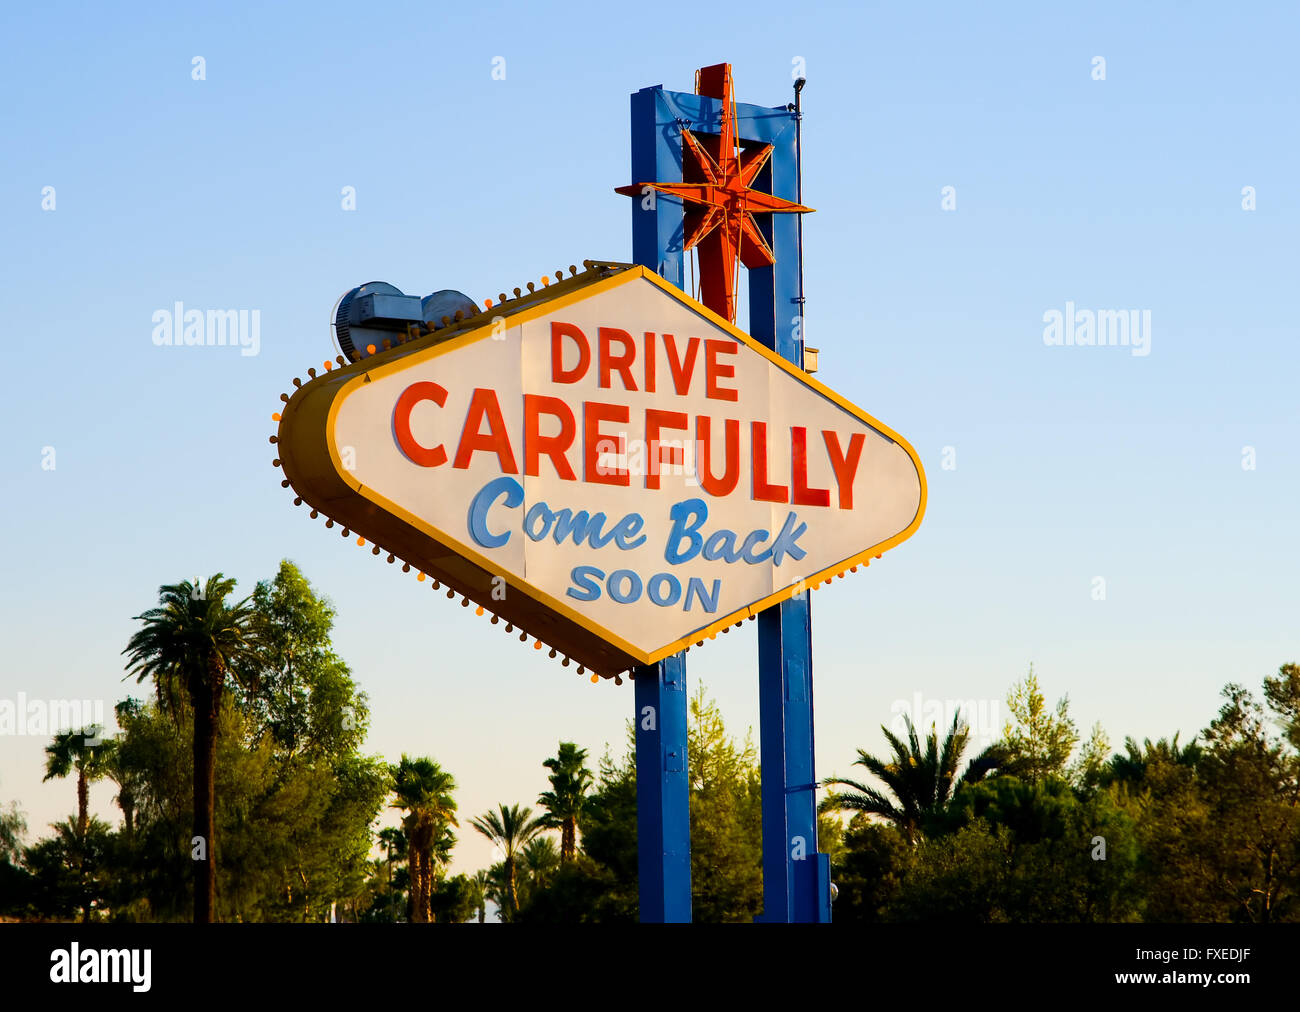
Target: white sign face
point(626, 458)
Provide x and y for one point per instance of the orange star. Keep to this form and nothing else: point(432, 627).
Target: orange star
point(717, 185)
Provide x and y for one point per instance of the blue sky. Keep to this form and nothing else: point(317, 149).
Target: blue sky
point(1071, 462)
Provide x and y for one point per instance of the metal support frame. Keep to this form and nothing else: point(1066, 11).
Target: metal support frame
point(663, 805)
point(796, 878)
point(663, 811)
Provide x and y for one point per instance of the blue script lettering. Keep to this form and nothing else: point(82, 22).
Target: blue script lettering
point(481, 503)
point(686, 539)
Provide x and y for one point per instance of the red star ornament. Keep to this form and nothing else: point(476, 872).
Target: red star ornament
point(717, 186)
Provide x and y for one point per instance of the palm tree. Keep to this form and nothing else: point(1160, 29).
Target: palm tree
point(83, 849)
point(539, 860)
point(496, 891)
point(120, 769)
point(129, 781)
point(394, 842)
point(919, 784)
point(1132, 766)
point(479, 883)
point(510, 829)
point(85, 752)
point(570, 780)
point(423, 790)
point(189, 645)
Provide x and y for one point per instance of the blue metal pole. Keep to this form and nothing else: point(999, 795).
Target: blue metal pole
point(663, 811)
point(796, 878)
point(662, 789)
point(657, 218)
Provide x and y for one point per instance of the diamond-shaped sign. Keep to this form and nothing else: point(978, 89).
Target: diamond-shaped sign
point(605, 464)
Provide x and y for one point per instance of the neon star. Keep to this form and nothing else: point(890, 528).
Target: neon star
point(718, 176)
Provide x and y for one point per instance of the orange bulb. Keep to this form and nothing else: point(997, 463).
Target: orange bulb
point(275, 416)
point(478, 610)
point(370, 349)
point(537, 644)
point(328, 365)
point(420, 577)
point(361, 541)
point(595, 679)
point(488, 303)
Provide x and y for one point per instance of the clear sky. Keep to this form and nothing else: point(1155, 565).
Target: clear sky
point(1071, 463)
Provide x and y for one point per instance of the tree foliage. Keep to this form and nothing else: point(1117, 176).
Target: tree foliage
point(250, 699)
point(292, 798)
point(511, 828)
point(1161, 832)
point(1037, 741)
point(570, 781)
point(918, 782)
point(423, 789)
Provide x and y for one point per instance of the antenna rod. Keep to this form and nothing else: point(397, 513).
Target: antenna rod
point(798, 176)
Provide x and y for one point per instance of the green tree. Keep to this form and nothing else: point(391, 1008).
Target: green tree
point(1178, 845)
point(726, 818)
point(600, 884)
point(479, 893)
point(1251, 783)
point(870, 876)
point(608, 821)
point(84, 751)
point(396, 846)
point(1037, 742)
point(496, 890)
point(919, 782)
point(119, 768)
point(70, 870)
point(570, 781)
point(510, 829)
point(155, 751)
point(538, 862)
point(15, 880)
point(306, 705)
point(452, 900)
point(958, 878)
point(190, 645)
point(304, 696)
point(1282, 693)
point(292, 810)
point(423, 789)
point(1012, 851)
point(1131, 766)
point(1089, 769)
point(12, 829)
